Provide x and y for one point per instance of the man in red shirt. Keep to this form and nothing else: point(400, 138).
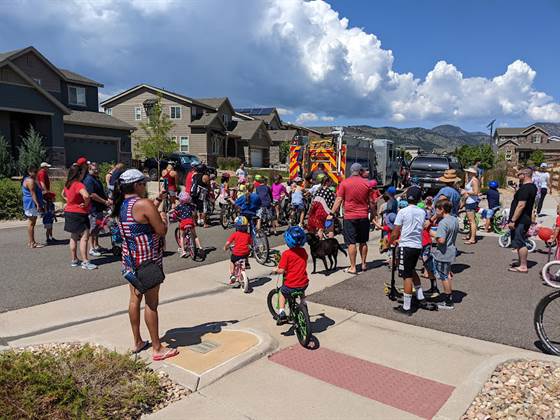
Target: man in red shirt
point(354, 193)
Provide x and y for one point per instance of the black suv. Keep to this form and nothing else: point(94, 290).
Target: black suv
point(182, 161)
point(428, 168)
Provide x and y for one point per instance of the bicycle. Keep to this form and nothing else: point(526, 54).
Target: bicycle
point(241, 275)
point(189, 244)
point(261, 247)
point(546, 322)
point(296, 312)
point(228, 214)
point(504, 241)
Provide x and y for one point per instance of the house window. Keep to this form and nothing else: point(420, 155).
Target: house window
point(216, 146)
point(509, 154)
point(175, 112)
point(137, 113)
point(537, 138)
point(109, 111)
point(77, 95)
point(184, 144)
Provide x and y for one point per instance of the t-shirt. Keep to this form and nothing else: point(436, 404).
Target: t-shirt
point(74, 199)
point(452, 195)
point(355, 193)
point(391, 206)
point(294, 261)
point(411, 219)
point(241, 174)
point(183, 211)
point(448, 228)
point(188, 181)
point(241, 242)
point(297, 196)
point(558, 225)
point(313, 190)
point(94, 185)
point(493, 197)
point(249, 209)
point(265, 194)
point(43, 176)
point(526, 192)
point(277, 191)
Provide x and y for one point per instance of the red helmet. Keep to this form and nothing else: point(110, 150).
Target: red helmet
point(545, 233)
point(372, 183)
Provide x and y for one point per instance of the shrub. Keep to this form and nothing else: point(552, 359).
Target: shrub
point(104, 169)
point(228, 163)
point(284, 151)
point(57, 185)
point(31, 151)
point(6, 160)
point(11, 205)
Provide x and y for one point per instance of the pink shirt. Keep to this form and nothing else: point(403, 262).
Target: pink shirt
point(277, 190)
point(355, 193)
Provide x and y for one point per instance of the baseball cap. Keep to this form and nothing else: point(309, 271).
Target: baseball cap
point(356, 167)
point(44, 165)
point(130, 176)
point(414, 194)
point(81, 161)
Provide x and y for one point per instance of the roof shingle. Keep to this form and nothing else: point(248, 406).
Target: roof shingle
point(95, 119)
point(247, 129)
point(75, 77)
point(278, 136)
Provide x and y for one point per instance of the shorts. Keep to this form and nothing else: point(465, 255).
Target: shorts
point(31, 212)
point(235, 258)
point(355, 231)
point(48, 219)
point(287, 291)
point(519, 236)
point(441, 269)
point(471, 207)
point(76, 223)
point(199, 204)
point(186, 223)
point(96, 221)
point(298, 206)
point(408, 257)
point(264, 213)
point(427, 256)
point(487, 213)
point(172, 193)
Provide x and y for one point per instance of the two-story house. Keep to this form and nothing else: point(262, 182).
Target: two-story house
point(517, 144)
point(62, 105)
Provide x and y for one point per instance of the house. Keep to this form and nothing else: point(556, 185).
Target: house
point(517, 144)
point(62, 106)
point(253, 142)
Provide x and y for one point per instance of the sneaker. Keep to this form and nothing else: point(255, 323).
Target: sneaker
point(281, 318)
point(86, 265)
point(232, 280)
point(448, 304)
point(403, 311)
point(75, 263)
point(432, 292)
point(94, 253)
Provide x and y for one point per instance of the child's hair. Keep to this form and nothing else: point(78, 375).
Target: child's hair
point(241, 228)
point(248, 191)
point(558, 208)
point(444, 205)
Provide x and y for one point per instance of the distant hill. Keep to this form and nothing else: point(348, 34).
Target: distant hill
point(446, 137)
point(551, 128)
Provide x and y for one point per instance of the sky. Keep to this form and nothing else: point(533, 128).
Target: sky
point(396, 63)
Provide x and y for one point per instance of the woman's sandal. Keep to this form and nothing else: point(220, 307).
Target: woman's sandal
point(517, 270)
point(143, 347)
point(169, 352)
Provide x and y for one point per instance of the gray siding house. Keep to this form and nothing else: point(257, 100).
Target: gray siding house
point(62, 105)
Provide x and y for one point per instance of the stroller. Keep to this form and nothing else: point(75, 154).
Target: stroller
point(110, 224)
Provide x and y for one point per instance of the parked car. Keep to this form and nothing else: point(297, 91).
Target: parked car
point(428, 168)
point(182, 161)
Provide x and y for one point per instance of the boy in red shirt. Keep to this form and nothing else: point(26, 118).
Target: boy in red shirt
point(241, 241)
point(293, 264)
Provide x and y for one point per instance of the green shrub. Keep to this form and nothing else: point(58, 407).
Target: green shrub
point(228, 163)
point(57, 185)
point(31, 152)
point(284, 151)
point(74, 382)
point(11, 205)
point(6, 160)
point(104, 169)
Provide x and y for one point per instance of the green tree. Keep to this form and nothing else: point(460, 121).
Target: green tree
point(32, 151)
point(469, 155)
point(407, 156)
point(6, 161)
point(156, 141)
point(284, 151)
point(537, 157)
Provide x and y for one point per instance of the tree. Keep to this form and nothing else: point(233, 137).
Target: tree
point(6, 162)
point(537, 157)
point(284, 151)
point(156, 142)
point(31, 152)
point(468, 155)
point(407, 156)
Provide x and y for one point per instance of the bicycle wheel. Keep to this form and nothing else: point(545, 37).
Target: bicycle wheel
point(224, 217)
point(302, 324)
point(504, 240)
point(178, 236)
point(531, 245)
point(273, 302)
point(551, 273)
point(546, 322)
point(261, 247)
point(498, 224)
point(244, 281)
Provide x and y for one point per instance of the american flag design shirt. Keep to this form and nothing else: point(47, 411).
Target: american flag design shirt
point(140, 242)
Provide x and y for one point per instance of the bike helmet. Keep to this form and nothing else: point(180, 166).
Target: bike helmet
point(403, 204)
point(242, 188)
point(320, 178)
point(258, 177)
point(184, 197)
point(415, 180)
point(391, 190)
point(421, 205)
point(294, 237)
point(545, 233)
point(241, 221)
point(201, 167)
point(226, 175)
point(372, 183)
point(493, 184)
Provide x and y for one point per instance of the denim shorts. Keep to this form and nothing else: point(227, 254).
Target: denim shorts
point(471, 206)
point(441, 269)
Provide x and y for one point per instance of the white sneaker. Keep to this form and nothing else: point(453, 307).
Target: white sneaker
point(75, 263)
point(94, 253)
point(86, 265)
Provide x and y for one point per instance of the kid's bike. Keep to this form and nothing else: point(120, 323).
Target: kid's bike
point(241, 275)
point(504, 240)
point(261, 247)
point(189, 244)
point(546, 322)
point(296, 312)
point(228, 214)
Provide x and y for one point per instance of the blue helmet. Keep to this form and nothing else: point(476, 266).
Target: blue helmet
point(493, 184)
point(403, 204)
point(391, 190)
point(415, 180)
point(294, 237)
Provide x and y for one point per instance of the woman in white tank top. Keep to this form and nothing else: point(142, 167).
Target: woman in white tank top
point(470, 193)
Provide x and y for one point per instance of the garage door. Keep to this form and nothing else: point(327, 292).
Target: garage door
point(256, 158)
point(93, 150)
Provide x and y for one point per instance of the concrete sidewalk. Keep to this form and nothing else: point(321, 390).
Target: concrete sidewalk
point(197, 304)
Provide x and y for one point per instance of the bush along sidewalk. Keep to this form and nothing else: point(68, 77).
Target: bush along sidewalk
point(11, 206)
point(62, 381)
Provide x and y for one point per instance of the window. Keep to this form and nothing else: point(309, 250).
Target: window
point(215, 146)
point(184, 144)
point(509, 154)
point(175, 112)
point(109, 111)
point(537, 138)
point(137, 113)
point(76, 95)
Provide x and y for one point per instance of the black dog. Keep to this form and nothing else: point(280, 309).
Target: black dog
point(322, 249)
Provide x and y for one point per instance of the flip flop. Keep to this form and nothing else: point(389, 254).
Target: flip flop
point(165, 355)
point(517, 270)
point(143, 347)
point(346, 270)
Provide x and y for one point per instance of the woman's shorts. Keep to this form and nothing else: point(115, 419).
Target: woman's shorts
point(76, 222)
point(470, 207)
point(31, 212)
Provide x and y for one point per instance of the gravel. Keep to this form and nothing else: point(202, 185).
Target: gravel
point(519, 389)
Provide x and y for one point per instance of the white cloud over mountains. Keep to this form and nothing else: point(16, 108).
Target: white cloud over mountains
point(295, 54)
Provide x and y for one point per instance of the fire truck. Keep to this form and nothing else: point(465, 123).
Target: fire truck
point(330, 154)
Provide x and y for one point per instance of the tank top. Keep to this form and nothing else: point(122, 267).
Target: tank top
point(171, 186)
point(28, 202)
point(471, 198)
point(140, 242)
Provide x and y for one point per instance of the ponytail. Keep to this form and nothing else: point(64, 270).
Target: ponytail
point(118, 196)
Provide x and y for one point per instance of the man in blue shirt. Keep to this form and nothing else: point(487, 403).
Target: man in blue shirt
point(449, 178)
point(99, 203)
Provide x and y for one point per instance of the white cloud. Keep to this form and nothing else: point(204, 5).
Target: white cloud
point(294, 54)
point(327, 119)
point(284, 111)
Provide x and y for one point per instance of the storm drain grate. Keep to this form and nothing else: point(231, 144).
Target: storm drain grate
point(204, 347)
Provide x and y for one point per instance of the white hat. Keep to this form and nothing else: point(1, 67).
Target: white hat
point(130, 176)
point(45, 165)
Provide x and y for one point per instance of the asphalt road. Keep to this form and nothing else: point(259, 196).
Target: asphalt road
point(496, 305)
point(33, 276)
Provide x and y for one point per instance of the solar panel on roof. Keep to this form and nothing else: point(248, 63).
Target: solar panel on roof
point(255, 111)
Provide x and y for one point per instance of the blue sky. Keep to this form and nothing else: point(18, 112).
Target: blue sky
point(399, 62)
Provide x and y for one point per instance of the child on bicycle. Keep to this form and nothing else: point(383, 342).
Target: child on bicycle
point(293, 265)
point(241, 241)
point(493, 198)
point(183, 213)
point(297, 199)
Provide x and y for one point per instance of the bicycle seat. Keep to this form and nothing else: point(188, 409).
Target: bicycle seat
point(297, 293)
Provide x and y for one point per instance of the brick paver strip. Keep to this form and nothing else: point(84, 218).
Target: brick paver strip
point(414, 394)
